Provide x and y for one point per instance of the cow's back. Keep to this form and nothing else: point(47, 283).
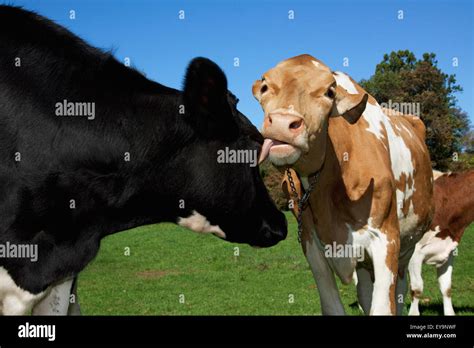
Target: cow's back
point(391, 146)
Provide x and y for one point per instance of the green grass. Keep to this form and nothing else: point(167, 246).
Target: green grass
point(167, 261)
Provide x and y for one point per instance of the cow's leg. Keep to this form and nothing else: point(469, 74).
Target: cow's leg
point(384, 255)
point(323, 275)
point(331, 303)
point(329, 297)
point(402, 286)
point(444, 279)
point(365, 287)
point(56, 302)
point(74, 307)
point(416, 280)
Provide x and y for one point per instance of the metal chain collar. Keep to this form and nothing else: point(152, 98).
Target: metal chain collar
point(303, 202)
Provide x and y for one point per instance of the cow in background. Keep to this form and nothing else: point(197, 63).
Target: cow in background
point(454, 211)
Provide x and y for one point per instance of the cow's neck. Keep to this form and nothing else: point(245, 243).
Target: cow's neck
point(146, 189)
point(313, 162)
point(334, 212)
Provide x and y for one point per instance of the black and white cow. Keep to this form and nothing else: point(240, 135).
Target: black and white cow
point(141, 153)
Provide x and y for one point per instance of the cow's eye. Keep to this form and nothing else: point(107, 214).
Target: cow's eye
point(263, 89)
point(330, 93)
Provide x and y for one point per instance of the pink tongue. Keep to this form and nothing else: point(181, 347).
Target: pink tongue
point(267, 144)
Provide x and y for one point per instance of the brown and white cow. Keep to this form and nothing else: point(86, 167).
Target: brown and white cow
point(374, 180)
point(454, 211)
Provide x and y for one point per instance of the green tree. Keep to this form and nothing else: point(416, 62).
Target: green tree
point(402, 78)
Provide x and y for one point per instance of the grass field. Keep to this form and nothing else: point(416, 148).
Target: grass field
point(172, 271)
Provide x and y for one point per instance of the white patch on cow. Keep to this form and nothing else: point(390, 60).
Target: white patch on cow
point(439, 253)
point(316, 64)
point(400, 154)
point(198, 223)
point(444, 280)
point(384, 277)
point(400, 201)
point(375, 245)
point(437, 174)
point(345, 82)
point(361, 238)
point(355, 279)
point(13, 299)
point(435, 250)
point(408, 223)
point(416, 280)
point(375, 118)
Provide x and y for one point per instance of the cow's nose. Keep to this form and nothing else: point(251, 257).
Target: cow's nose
point(284, 124)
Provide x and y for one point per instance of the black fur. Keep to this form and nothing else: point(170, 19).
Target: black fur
point(172, 156)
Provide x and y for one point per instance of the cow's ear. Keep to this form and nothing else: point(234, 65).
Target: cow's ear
point(205, 88)
point(350, 106)
point(256, 89)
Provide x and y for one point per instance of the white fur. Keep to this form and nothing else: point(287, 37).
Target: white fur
point(345, 82)
point(437, 174)
point(13, 299)
point(439, 253)
point(445, 272)
point(198, 223)
point(384, 277)
point(401, 160)
point(400, 154)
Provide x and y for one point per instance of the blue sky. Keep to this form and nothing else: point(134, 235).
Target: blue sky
point(260, 34)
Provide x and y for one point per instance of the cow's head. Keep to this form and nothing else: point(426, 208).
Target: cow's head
point(224, 193)
point(298, 96)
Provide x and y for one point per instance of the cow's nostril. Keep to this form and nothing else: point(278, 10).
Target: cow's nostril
point(296, 124)
point(269, 119)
